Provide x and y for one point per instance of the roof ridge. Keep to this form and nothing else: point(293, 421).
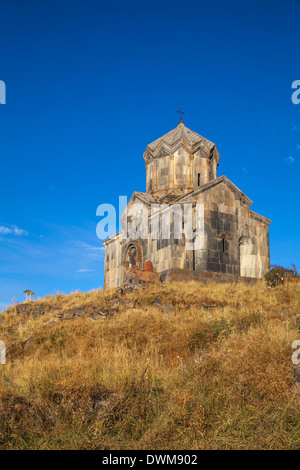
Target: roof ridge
point(216, 181)
point(173, 135)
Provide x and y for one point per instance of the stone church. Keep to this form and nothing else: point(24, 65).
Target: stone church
point(181, 171)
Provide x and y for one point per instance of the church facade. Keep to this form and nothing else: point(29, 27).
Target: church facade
point(190, 223)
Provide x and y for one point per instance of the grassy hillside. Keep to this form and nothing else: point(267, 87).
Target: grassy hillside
point(172, 366)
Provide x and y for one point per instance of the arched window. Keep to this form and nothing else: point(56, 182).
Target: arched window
point(224, 241)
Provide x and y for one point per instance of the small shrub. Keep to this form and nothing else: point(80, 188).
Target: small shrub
point(208, 333)
point(278, 274)
point(244, 322)
point(58, 339)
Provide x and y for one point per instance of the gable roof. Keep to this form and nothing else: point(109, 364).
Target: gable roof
point(215, 182)
point(148, 199)
point(260, 218)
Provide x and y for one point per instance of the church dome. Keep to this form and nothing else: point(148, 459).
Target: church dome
point(180, 137)
point(179, 161)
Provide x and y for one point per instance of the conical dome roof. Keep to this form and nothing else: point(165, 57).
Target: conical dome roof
point(181, 136)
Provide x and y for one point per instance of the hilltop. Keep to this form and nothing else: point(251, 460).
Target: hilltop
point(170, 366)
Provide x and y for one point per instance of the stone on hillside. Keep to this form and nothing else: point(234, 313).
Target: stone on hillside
point(58, 316)
point(168, 308)
point(37, 311)
point(100, 313)
point(23, 308)
point(157, 302)
point(68, 314)
point(79, 312)
point(90, 309)
point(133, 287)
point(208, 306)
point(27, 344)
point(10, 310)
point(115, 303)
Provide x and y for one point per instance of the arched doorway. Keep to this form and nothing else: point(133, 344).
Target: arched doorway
point(132, 255)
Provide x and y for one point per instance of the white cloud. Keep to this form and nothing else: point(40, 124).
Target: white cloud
point(5, 230)
point(90, 248)
point(290, 159)
point(85, 270)
point(294, 127)
point(13, 230)
point(18, 231)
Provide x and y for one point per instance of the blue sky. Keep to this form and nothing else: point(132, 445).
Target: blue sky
point(91, 83)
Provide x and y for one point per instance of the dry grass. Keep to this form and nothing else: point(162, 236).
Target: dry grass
point(135, 382)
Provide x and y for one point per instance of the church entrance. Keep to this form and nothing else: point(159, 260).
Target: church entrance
point(132, 255)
